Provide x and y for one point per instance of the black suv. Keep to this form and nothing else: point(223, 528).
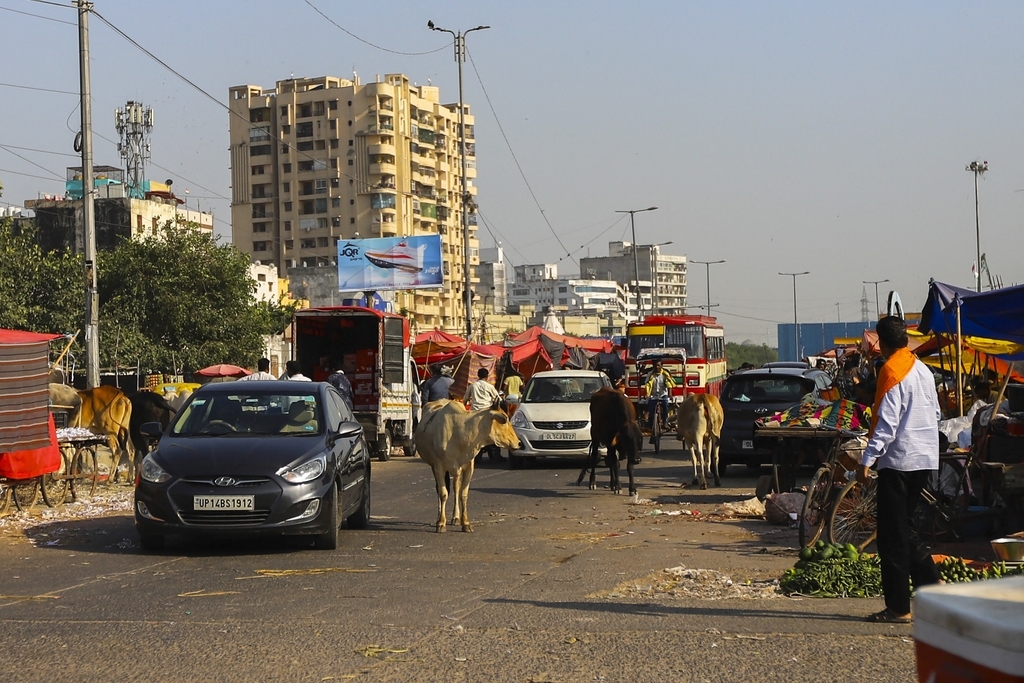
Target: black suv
point(753, 394)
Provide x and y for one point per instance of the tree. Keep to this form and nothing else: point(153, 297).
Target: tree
point(181, 300)
point(38, 292)
point(755, 354)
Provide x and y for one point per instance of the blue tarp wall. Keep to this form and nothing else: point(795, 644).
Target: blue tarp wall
point(816, 337)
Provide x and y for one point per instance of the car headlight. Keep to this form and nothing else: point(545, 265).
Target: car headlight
point(152, 472)
point(307, 471)
point(520, 420)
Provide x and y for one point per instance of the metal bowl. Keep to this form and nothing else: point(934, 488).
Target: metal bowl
point(1009, 549)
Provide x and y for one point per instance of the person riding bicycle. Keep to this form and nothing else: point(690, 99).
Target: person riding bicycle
point(659, 382)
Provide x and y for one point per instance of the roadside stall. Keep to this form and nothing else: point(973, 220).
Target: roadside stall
point(28, 440)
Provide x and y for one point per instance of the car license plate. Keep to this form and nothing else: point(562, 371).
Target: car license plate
point(558, 436)
point(747, 444)
point(223, 502)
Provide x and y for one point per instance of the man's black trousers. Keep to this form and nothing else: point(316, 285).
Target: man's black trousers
point(904, 558)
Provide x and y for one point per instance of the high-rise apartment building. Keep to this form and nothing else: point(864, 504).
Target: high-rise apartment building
point(319, 160)
point(662, 284)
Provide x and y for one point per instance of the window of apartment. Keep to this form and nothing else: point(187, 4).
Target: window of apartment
point(257, 170)
point(334, 163)
point(336, 221)
point(306, 207)
point(335, 202)
point(307, 224)
point(259, 246)
point(334, 143)
point(332, 105)
point(259, 227)
point(260, 191)
point(286, 187)
point(351, 162)
point(334, 124)
point(352, 202)
point(321, 222)
point(288, 224)
point(257, 115)
point(562, 290)
point(286, 168)
point(289, 244)
point(304, 129)
point(320, 205)
point(305, 111)
point(288, 208)
point(320, 144)
point(284, 148)
point(261, 211)
point(320, 185)
point(353, 220)
point(286, 129)
point(259, 150)
point(309, 262)
point(259, 134)
point(321, 241)
point(382, 200)
point(284, 111)
point(261, 277)
point(334, 182)
point(305, 166)
point(308, 243)
point(318, 109)
point(304, 146)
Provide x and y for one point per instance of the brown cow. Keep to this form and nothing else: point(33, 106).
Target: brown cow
point(613, 425)
point(448, 439)
point(699, 426)
point(63, 396)
point(106, 411)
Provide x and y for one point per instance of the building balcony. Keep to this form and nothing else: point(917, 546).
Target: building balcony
point(383, 168)
point(382, 148)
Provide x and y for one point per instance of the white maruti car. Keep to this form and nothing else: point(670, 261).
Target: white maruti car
point(553, 417)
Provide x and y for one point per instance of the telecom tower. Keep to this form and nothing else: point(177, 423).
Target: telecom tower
point(864, 305)
point(133, 124)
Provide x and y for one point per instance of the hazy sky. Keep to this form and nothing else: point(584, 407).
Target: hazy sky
point(829, 137)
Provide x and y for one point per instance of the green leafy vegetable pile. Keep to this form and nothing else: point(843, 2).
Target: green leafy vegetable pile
point(830, 570)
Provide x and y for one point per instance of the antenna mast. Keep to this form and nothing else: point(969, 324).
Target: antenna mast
point(864, 305)
point(134, 124)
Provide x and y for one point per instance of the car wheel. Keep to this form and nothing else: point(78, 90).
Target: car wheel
point(516, 462)
point(151, 542)
point(384, 445)
point(360, 519)
point(329, 539)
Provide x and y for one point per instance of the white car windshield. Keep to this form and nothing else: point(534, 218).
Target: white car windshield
point(249, 413)
point(564, 389)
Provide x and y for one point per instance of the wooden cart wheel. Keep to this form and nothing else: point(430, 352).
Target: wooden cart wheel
point(854, 517)
point(26, 494)
point(815, 510)
point(5, 498)
point(84, 465)
point(56, 484)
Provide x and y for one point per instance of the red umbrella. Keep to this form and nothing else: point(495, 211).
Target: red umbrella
point(224, 370)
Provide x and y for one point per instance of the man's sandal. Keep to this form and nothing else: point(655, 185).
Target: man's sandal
point(887, 617)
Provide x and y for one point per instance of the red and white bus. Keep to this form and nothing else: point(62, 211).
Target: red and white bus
point(699, 336)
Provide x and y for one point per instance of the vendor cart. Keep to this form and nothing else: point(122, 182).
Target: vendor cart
point(835, 505)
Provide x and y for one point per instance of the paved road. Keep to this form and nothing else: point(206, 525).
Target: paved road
point(556, 583)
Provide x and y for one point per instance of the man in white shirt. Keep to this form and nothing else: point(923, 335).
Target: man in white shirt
point(262, 371)
point(904, 441)
point(293, 373)
point(481, 395)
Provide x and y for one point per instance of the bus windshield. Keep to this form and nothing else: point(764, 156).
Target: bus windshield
point(645, 341)
point(689, 337)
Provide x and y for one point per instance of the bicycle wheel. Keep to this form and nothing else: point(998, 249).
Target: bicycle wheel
point(26, 494)
point(84, 466)
point(656, 434)
point(56, 484)
point(815, 510)
point(853, 519)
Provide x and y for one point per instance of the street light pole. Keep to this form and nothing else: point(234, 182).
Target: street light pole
point(707, 266)
point(636, 263)
point(878, 312)
point(978, 170)
point(796, 326)
point(92, 300)
point(460, 57)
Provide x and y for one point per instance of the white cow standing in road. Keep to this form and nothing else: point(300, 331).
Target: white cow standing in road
point(699, 426)
point(448, 438)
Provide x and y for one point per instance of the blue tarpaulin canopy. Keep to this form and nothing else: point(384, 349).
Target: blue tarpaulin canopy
point(998, 314)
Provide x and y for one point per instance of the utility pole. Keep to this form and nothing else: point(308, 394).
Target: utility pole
point(796, 326)
point(878, 312)
point(707, 267)
point(460, 57)
point(636, 263)
point(92, 299)
point(978, 170)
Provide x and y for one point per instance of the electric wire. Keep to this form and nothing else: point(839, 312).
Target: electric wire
point(366, 42)
point(516, 160)
point(24, 158)
point(40, 16)
point(62, 5)
point(29, 87)
point(40, 151)
point(30, 175)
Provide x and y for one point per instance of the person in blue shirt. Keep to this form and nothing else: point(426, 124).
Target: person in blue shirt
point(339, 381)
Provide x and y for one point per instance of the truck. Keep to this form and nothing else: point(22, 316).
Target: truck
point(373, 349)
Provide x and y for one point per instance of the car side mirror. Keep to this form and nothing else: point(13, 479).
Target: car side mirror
point(152, 429)
point(349, 429)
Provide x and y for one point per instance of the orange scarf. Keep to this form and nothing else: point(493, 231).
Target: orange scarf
point(896, 367)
